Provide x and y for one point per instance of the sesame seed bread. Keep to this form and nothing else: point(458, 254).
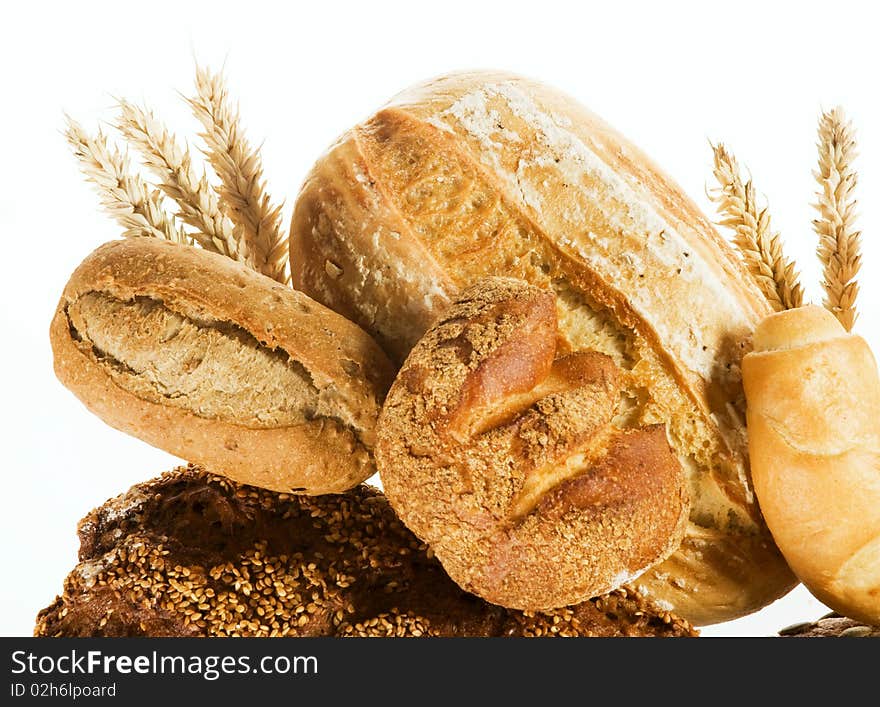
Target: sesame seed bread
point(507, 461)
point(206, 359)
point(192, 554)
point(485, 173)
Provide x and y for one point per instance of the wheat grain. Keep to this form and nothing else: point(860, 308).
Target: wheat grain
point(760, 248)
point(196, 200)
point(839, 246)
point(243, 190)
point(124, 195)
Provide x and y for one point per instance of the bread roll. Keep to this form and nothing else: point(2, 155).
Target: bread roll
point(830, 626)
point(814, 436)
point(506, 459)
point(484, 173)
point(192, 554)
point(217, 364)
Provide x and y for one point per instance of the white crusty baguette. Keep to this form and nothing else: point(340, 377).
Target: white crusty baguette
point(814, 435)
point(202, 357)
point(484, 173)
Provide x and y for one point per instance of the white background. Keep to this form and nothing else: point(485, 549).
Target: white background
point(668, 75)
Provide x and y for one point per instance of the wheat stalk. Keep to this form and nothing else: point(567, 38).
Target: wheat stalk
point(839, 247)
point(125, 195)
point(243, 190)
point(760, 248)
point(196, 200)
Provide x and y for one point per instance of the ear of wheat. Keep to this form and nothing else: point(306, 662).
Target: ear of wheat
point(196, 200)
point(760, 248)
point(127, 198)
point(839, 247)
point(243, 190)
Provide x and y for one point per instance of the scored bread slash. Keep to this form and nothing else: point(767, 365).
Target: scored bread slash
point(202, 357)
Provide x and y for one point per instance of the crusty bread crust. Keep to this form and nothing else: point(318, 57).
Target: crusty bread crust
point(318, 454)
point(507, 462)
point(486, 173)
point(192, 554)
point(814, 424)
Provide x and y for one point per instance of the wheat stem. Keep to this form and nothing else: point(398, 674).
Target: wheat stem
point(243, 190)
point(839, 246)
point(124, 195)
point(196, 200)
point(760, 248)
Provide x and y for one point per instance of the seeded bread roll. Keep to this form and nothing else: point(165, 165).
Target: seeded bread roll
point(215, 363)
point(485, 173)
point(514, 465)
point(191, 554)
point(831, 626)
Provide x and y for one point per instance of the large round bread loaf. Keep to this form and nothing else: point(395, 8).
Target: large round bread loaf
point(480, 174)
point(507, 460)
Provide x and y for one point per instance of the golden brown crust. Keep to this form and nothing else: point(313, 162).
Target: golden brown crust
point(814, 406)
point(507, 462)
point(327, 446)
point(484, 173)
point(192, 554)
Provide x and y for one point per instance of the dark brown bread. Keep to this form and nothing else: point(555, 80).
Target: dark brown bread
point(192, 554)
point(831, 626)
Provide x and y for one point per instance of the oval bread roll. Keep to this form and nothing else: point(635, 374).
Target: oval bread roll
point(479, 174)
point(508, 462)
point(219, 365)
point(814, 435)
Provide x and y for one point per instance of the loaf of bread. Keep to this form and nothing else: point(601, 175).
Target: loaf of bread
point(479, 174)
point(507, 461)
point(192, 554)
point(831, 626)
point(202, 357)
point(814, 435)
